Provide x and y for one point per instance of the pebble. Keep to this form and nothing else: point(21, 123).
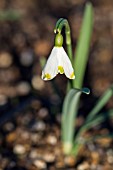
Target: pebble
point(12, 164)
point(110, 159)
point(93, 167)
point(96, 167)
point(91, 146)
point(51, 139)
point(39, 126)
point(37, 82)
point(23, 88)
point(70, 160)
point(9, 126)
point(4, 163)
point(19, 149)
point(3, 100)
point(25, 135)
point(35, 137)
point(105, 142)
point(110, 152)
point(60, 163)
point(33, 154)
point(43, 113)
point(95, 157)
point(11, 137)
point(83, 166)
point(40, 164)
point(49, 157)
point(26, 58)
point(5, 60)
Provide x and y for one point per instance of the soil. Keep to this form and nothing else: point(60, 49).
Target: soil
point(30, 109)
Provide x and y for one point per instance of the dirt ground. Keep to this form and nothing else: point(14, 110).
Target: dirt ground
point(30, 109)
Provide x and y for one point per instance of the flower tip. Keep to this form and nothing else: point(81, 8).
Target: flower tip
point(46, 76)
point(72, 76)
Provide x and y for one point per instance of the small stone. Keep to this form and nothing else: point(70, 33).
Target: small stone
point(96, 167)
point(8, 126)
point(70, 160)
point(40, 164)
point(110, 159)
point(5, 60)
point(33, 154)
point(43, 112)
point(110, 152)
point(3, 100)
point(93, 167)
point(35, 137)
point(23, 88)
point(49, 157)
point(105, 142)
point(11, 137)
point(51, 140)
point(19, 149)
point(37, 82)
point(12, 164)
point(91, 146)
point(26, 58)
point(4, 162)
point(25, 135)
point(83, 166)
point(95, 157)
point(39, 126)
point(60, 163)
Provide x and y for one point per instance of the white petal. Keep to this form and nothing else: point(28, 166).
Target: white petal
point(64, 61)
point(51, 68)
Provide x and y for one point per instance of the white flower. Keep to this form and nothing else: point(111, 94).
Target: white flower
point(58, 62)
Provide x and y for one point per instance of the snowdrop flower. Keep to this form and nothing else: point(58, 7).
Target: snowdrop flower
point(58, 62)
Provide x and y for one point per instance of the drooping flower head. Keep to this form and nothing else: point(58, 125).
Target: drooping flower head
point(58, 62)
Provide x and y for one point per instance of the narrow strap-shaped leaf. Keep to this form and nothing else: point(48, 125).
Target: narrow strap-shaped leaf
point(68, 117)
point(98, 120)
point(73, 110)
point(66, 110)
point(100, 103)
point(96, 137)
point(82, 49)
point(94, 122)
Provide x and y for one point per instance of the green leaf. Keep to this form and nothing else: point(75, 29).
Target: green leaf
point(79, 141)
point(66, 110)
point(94, 122)
point(69, 113)
point(99, 119)
point(94, 138)
point(100, 103)
point(82, 49)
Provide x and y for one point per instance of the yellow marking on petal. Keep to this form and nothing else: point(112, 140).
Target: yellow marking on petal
point(60, 69)
point(72, 76)
point(47, 76)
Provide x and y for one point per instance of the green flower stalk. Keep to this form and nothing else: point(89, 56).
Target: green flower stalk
point(58, 28)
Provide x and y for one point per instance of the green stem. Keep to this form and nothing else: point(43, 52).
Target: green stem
point(58, 28)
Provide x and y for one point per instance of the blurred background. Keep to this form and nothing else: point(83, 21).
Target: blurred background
point(26, 37)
